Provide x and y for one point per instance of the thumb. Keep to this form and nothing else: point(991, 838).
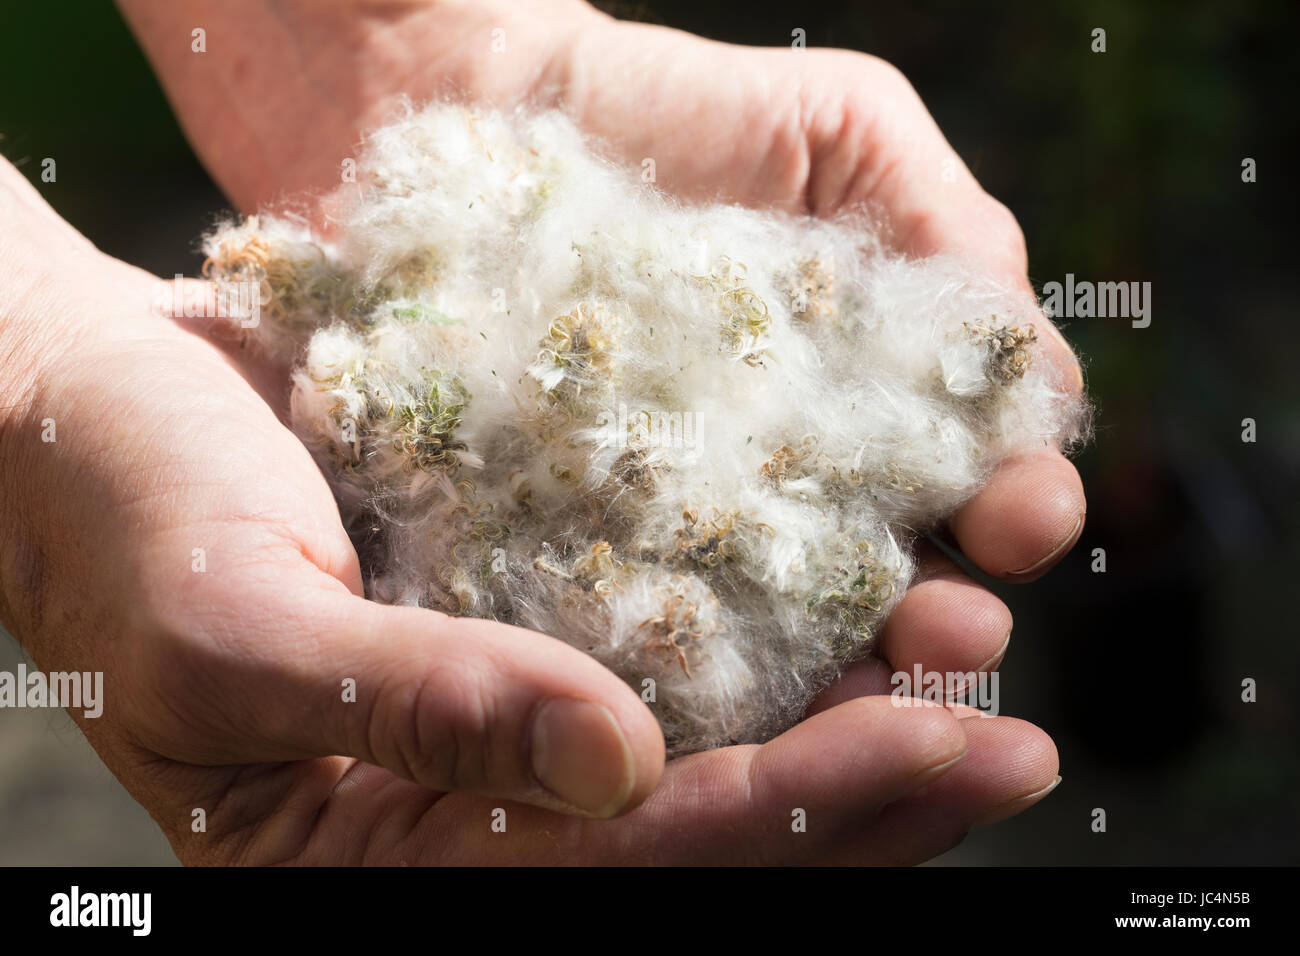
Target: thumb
point(466, 704)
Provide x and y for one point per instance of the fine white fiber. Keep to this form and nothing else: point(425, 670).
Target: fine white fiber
point(697, 442)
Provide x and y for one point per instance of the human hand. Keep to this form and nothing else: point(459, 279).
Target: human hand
point(224, 679)
point(858, 757)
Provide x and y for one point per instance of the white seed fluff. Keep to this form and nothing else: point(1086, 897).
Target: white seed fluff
point(695, 442)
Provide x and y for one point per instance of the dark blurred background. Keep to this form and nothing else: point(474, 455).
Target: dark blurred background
point(1121, 166)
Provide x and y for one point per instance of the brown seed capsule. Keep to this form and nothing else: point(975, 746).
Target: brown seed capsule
point(1008, 350)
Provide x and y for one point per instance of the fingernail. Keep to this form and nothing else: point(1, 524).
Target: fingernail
point(987, 667)
point(1066, 543)
point(996, 659)
point(580, 755)
point(938, 770)
point(1009, 809)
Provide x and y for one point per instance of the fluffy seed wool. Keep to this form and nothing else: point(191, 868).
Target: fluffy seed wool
point(696, 442)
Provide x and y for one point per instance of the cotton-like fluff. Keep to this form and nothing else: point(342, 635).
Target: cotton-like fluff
point(696, 442)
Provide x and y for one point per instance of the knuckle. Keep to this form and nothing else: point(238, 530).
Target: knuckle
point(441, 729)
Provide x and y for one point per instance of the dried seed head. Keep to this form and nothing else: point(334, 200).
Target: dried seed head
point(596, 565)
point(789, 463)
point(1008, 350)
point(632, 470)
point(426, 427)
point(706, 543)
point(681, 628)
point(574, 353)
point(856, 596)
point(745, 316)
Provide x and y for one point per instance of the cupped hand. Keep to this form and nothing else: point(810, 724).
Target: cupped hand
point(178, 538)
point(814, 131)
point(163, 527)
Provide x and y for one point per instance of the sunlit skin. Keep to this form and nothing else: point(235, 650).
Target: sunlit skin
point(223, 687)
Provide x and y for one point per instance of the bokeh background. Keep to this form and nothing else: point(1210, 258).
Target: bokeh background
point(1122, 166)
